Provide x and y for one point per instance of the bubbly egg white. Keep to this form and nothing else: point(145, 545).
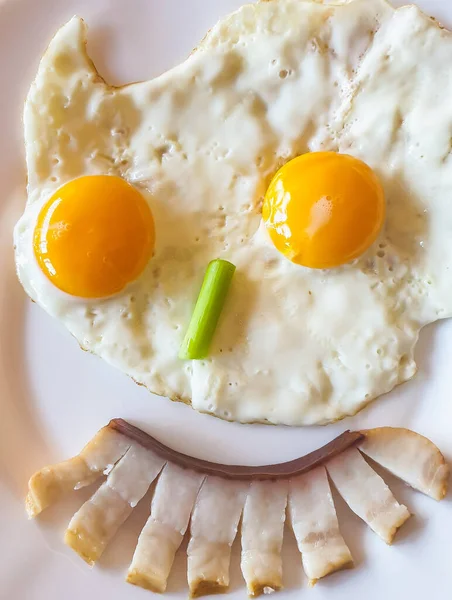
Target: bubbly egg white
point(272, 81)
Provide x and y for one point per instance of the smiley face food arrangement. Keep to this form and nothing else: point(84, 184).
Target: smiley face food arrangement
point(260, 232)
point(303, 143)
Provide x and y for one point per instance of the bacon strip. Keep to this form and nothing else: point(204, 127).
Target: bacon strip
point(410, 457)
point(366, 494)
point(93, 526)
point(262, 536)
point(48, 485)
point(315, 525)
point(173, 501)
point(213, 529)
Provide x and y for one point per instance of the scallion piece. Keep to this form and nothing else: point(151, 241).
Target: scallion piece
point(207, 310)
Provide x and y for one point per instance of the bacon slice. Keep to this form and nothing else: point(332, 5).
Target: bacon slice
point(48, 485)
point(173, 501)
point(213, 529)
point(262, 536)
point(315, 525)
point(366, 494)
point(94, 525)
point(410, 457)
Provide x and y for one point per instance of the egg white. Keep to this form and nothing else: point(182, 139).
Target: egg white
point(272, 81)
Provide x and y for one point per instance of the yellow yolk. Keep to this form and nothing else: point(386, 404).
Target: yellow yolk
point(94, 236)
point(324, 209)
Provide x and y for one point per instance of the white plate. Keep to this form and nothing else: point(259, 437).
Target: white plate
point(53, 397)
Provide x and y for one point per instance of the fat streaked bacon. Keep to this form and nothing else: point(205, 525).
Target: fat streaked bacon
point(99, 456)
point(314, 522)
point(262, 536)
point(410, 457)
point(97, 521)
point(214, 497)
point(163, 533)
point(366, 494)
point(213, 529)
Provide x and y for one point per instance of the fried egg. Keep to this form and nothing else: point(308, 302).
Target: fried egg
point(324, 209)
point(292, 123)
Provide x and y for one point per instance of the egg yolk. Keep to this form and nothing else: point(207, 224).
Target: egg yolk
point(324, 209)
point(94, 236)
